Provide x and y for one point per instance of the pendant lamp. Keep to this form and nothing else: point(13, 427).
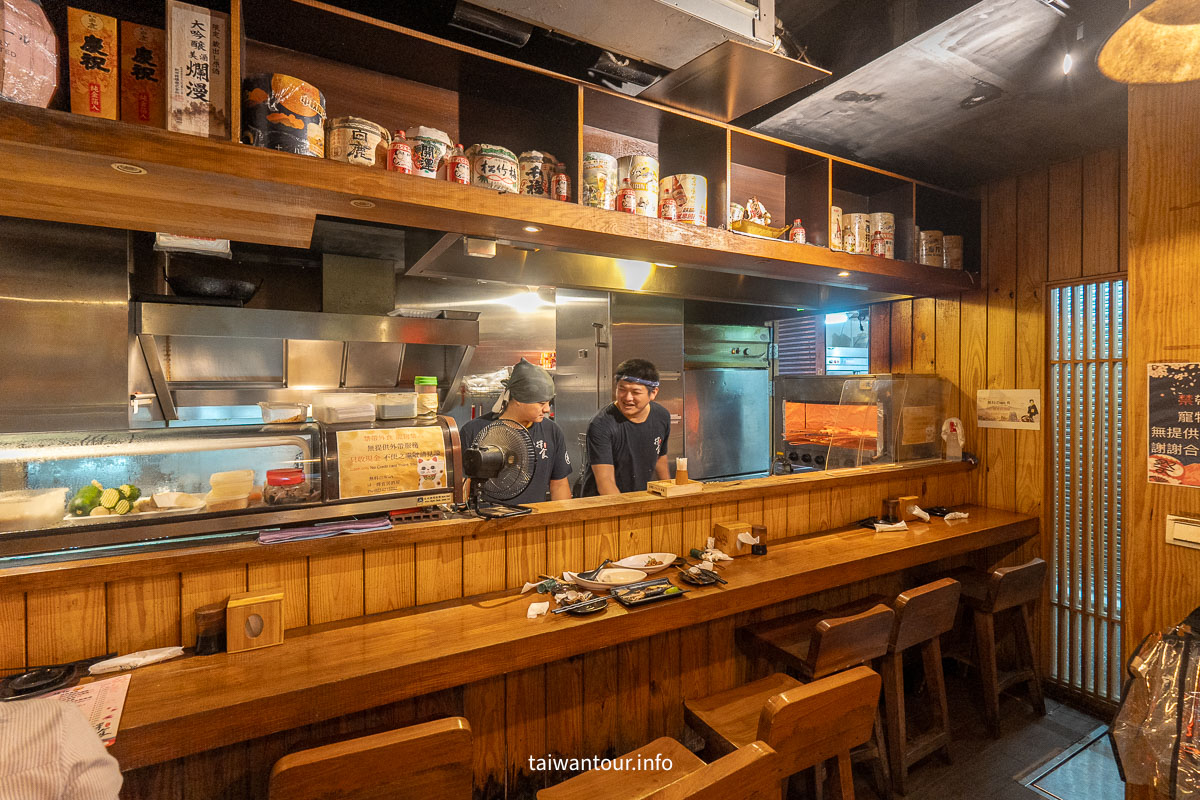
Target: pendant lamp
point(1159, 44)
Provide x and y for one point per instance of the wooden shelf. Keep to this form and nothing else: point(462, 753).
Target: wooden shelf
point(59, 167)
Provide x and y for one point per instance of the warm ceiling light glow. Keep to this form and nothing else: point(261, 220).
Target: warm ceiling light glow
point(1067, 64)
point(532, 229)
point(634, 274)
point(362, 204)
point(1159, 44)
point(664, 266)
point(129, 169)
point(843, 274)
point(836, 319)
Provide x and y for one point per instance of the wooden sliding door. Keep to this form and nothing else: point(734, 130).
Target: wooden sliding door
point(1086, 400)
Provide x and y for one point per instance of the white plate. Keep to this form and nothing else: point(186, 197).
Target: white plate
point(131, 515)
point(608, 578)
point(639, 562)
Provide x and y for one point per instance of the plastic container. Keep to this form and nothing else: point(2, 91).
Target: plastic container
point(30, 509)
point(225, 485)
point(226, 503)
point(427, 396)
point(332, 408)
point(275, 413)
point(283, 486)
point(396, 405)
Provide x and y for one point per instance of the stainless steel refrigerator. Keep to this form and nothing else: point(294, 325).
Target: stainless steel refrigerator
point(727, 410)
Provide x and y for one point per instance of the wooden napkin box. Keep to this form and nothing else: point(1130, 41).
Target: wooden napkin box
point(253, 620)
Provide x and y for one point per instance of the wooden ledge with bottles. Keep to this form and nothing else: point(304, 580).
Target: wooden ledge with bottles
point(332, 670)
point(138, 177)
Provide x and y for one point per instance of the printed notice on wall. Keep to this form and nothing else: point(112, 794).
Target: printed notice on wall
point(1019, 409)
point(390, 460)
point(1174, 424)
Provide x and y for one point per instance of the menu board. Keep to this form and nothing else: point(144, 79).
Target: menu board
point(1174, 424)
point(391, 460)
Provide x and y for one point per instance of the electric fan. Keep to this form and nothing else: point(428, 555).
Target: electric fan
point(500, 466)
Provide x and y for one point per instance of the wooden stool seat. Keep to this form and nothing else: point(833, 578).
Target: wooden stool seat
point(421, 761)
point(1007, 594)
point(815, 644)
point(923, 614)
point(632, 782)
point(806, 724)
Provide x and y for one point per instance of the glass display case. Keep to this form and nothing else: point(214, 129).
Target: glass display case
point(124, 477)
point(832, 422)
point(77, 491)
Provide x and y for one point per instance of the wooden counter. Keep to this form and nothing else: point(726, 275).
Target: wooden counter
point(194, 704)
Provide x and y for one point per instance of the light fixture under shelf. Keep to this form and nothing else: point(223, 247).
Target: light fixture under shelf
point(1159, 44)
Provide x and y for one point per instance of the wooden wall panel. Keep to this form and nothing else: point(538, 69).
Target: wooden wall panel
point(439, 571)
point(526, 553)
point(666, 534)
point(65, 624)
point(484, 706)
point(946, 327)
point(292, 576)
point(902, 336)
point(390, 577)
point(12, 631)
point(881, 338)
point(600, 541)
point(525, 728)
point(635, 535)
point(201, 587)
point(1001, 335)
point(1065, 245)
point(335, 587)
point(1100, 248)
point(143, 613)
point(1161, 582)
point(924, 335)
point(1032, 232)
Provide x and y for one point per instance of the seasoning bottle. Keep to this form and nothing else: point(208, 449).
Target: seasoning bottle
point(210, 629)
point(681, 472)
point(799, 235)
point(561, 188)
point(286, 485)
point(626, 198)
point(427, 396)
point(400, 154)
point(458, 166)
point(878, 245)
point(668, 208)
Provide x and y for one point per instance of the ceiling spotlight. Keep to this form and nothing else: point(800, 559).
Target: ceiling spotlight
point(129, 169)
point(532, 229)
point(1067, 64)
point(843, 274)
point(357, 203)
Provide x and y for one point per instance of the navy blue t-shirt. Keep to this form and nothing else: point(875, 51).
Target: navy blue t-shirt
point(551, 461)
point(633, 448)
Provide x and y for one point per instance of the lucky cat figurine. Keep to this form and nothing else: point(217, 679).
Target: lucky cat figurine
point(432, 473)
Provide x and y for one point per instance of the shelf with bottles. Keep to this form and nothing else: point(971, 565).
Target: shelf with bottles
point(790, 182)
point(862, 190)
point(621, 128)
point(951, 214)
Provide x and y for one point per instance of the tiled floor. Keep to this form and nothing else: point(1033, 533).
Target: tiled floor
point(996, 768)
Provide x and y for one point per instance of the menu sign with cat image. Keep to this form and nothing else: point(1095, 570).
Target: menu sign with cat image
point(390, 461)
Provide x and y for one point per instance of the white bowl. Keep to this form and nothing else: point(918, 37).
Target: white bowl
point(639, 562)
point(608, 578)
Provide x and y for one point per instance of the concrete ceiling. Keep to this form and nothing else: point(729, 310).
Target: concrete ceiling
point(955, 101)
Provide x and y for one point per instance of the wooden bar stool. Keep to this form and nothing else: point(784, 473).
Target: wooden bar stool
point(748, 773)
point(1007, 593)
point(806, 724)
point(815, 644)
point(923, 614)
point(413, 763)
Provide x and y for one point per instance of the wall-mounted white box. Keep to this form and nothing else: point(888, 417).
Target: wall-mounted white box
point(1183, 531)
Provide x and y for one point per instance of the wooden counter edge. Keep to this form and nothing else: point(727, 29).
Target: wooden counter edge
point(130, 565)
point(172, 737)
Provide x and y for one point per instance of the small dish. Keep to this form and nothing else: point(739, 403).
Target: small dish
point(608, 578)
point(751, 228)
point(651, 591)
point(596, 604)
point(658, 562)
point(702, 578)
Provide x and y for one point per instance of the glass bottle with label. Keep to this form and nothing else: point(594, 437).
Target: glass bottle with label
point(427, 396)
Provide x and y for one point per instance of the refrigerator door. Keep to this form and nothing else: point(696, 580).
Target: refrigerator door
point(727, 415)
point(650, 327)
point(583, 379)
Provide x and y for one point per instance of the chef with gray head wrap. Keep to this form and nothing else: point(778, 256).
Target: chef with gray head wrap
point(526, 401)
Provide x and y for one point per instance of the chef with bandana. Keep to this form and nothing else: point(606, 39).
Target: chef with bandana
point(627, 440)
point(526, 401)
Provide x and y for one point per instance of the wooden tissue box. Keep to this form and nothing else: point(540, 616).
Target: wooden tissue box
point(253, 620)
point(673, 489)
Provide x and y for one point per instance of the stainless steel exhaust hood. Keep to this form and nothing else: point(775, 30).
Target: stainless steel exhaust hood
point(204, 356)
point(535, 265)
